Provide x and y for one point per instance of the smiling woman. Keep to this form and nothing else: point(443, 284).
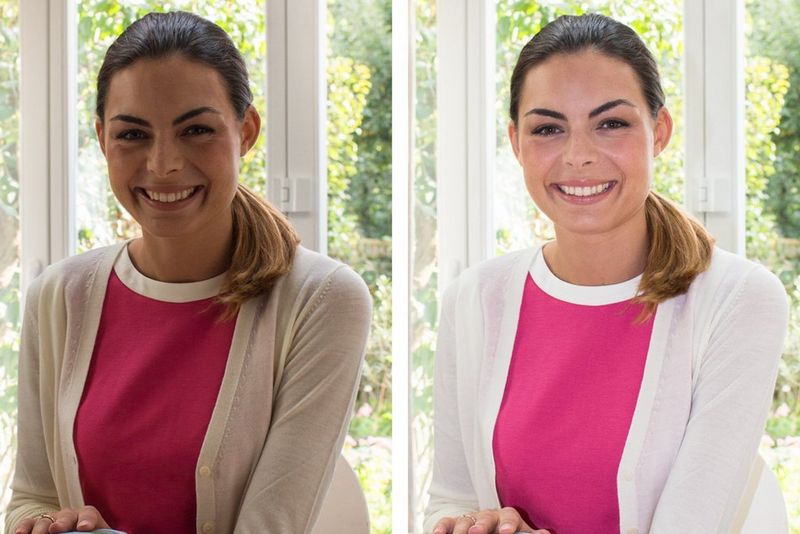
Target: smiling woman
point(208, 367)
point(614, 377)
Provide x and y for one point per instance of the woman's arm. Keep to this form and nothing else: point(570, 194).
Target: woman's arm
point(730, 404)
point(452, 493)
point(311, 412)
point(33, 489)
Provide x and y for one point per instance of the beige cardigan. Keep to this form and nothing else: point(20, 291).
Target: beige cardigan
point(278, 423)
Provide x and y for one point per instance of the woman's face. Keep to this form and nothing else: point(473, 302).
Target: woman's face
point(173, 141)
point(586, 140)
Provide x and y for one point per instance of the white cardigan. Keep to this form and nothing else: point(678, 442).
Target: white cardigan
point(280, 417)
point(705, 394)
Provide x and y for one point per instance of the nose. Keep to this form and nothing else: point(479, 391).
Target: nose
point(164, 157)
point(579, 150)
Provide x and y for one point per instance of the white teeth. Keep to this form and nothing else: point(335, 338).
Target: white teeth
point(169, 197)
point(584, 191)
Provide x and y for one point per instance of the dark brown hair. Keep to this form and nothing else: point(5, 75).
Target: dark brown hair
point(264, 241)
point(680, 247)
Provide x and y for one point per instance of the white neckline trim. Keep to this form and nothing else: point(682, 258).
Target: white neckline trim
point(164, 291)
point(575, 294)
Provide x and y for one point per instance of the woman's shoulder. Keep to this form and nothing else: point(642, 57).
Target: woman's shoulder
point(312, 272)
point(495, 271)
point(732, 278)
point(74, 272)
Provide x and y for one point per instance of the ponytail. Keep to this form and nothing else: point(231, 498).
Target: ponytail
point(263, 249)
point(680, 249)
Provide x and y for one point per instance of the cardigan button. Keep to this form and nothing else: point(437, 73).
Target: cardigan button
point(205, 471)
point(627, 476)
point(633, 531)
point(208, 527)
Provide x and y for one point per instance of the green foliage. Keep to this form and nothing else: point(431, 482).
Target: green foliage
point(361, 30)
point(359, 218)
point(776, 35)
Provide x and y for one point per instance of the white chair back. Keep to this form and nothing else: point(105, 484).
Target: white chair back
point(763, 508)
point(344, 509)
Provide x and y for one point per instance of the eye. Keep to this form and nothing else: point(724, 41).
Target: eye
point(546, 130)
point(131, 135)
point(613, 124)
point(197, 129)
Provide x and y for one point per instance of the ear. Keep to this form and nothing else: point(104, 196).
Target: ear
point(662, 131)
point(98, 128)
point(251, 127)
point(514, 138)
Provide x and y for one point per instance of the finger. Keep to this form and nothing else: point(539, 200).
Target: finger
point(65, 520)
point(444, 525)
point(509, 521)
point(463, 524)
point(41, 525)
point(89, 518)
point(486, 522)
point(25, 526)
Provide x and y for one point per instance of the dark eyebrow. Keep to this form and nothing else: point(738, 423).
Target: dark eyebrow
point(194, 113)
point(594, 113)
point(609, 105)
point(130, 118)
point(185, 117)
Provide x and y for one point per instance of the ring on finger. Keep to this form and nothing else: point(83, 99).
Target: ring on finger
point(470, 517)
point(46, 516)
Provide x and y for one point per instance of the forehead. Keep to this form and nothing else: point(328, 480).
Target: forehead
point(151, 88)
point(579, 81)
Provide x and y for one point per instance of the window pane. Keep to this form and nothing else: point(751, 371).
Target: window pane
point(100, 219)
point(518, 223)
point(424, 306)
point(772, 132)
point(9, 240)
point(360, 220)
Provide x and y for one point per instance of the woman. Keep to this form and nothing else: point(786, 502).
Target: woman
point(199, 378)
point(616, 379)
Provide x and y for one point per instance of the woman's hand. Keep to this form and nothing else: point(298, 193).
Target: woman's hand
point(491, 521)
point(83, 519)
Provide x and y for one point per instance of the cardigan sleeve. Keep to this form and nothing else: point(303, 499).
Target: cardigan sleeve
point(311, 411)
point(452, 491)
point(730, 403)
point(33, 490)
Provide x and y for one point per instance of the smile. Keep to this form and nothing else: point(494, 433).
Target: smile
point(584, 191)
point(168, 198)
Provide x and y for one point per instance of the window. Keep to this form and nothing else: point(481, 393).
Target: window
point(359, 153)
point(772, 134)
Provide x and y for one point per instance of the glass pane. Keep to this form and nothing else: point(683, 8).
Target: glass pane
point(424, 306)
point(9, 241)
point(518, 224)
point(100, 219)
point(360, 219)
point(772, 132)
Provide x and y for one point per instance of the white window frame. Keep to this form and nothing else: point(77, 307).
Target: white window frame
point(296, 89)
point(715, 156)
point(48, 137)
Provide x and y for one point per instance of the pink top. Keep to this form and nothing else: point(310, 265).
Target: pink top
point(156, 370)
point(571, 390)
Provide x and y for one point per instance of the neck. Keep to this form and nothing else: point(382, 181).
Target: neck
point(182, 259)
point(598, 259)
